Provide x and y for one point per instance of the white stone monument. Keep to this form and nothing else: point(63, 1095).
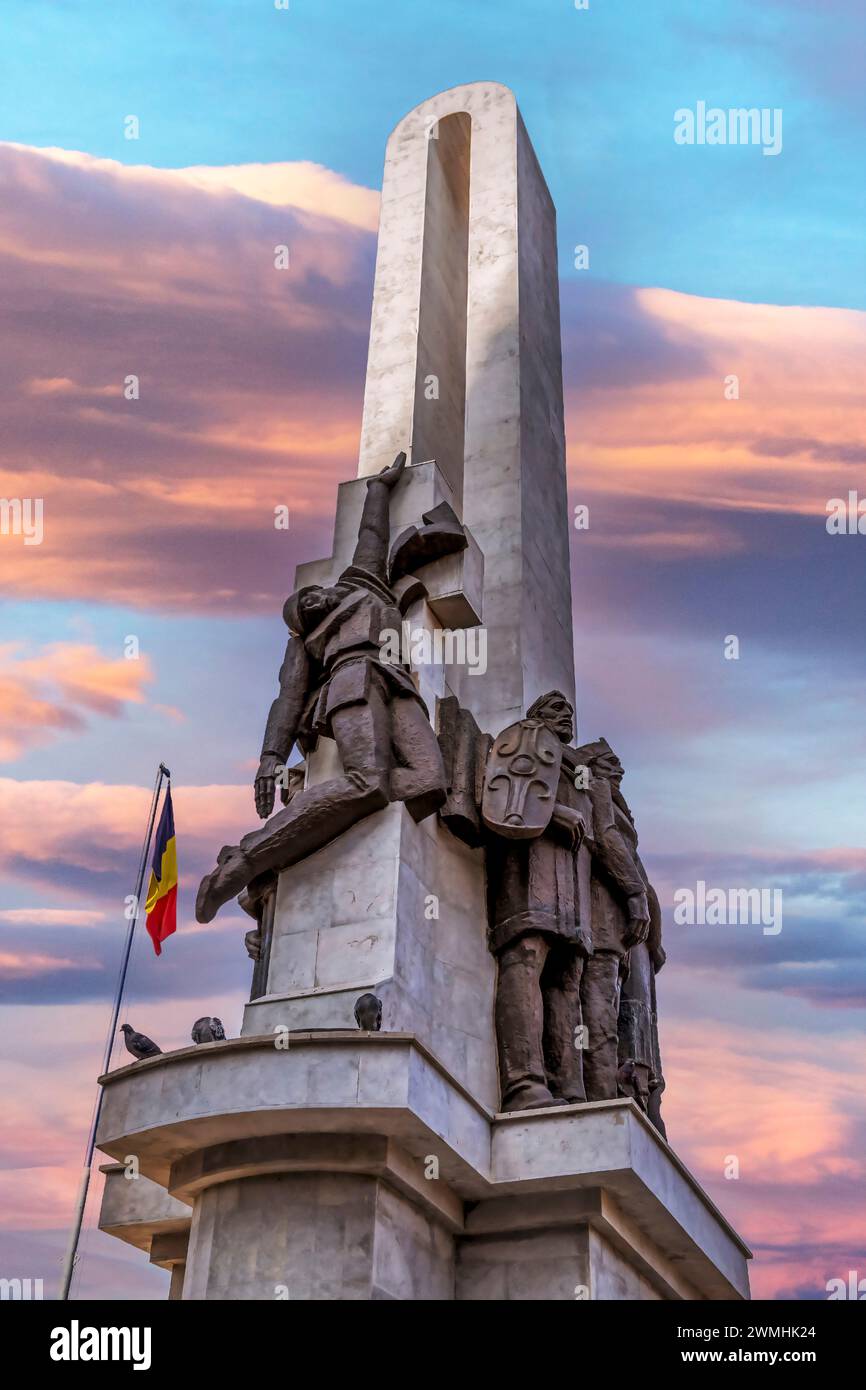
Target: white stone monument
point(307, 1160)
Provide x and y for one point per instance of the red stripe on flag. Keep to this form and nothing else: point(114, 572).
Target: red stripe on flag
point(162, 919)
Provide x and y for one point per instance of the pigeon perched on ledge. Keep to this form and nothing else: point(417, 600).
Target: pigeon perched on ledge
point(139, 1045)
point(207, 1029)
point(368, 1013)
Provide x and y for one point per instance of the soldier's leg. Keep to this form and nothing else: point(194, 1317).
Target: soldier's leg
point(563, 1056)
point(316, 816)
point(418, 776)
point(519, 1024)
point(600, 1007)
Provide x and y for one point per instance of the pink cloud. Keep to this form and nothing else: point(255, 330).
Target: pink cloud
point(48, 1095)
point(249, 377)
point(51, 916)
point(792, 1119)
point(21, 965)
point(659, 424)
point(47, 693)
point(82, 825)
point(786, 1115)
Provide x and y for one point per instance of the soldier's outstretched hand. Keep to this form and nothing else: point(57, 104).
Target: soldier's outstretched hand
point(390, 476)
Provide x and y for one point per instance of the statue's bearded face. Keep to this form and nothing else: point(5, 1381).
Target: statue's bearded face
point(558, 715)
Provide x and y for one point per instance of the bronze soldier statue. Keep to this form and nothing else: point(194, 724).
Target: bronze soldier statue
point(538, 888)
point(574, 923)
point(618, 985)
point(333, 682)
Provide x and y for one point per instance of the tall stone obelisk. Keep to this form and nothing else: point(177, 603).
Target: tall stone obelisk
point(308, 1160)
point(465, 371)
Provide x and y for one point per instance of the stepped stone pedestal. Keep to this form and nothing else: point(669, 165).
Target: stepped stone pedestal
point(354, 1166)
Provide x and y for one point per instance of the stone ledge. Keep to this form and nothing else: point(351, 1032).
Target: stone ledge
point(381, 1104)
point(171, 1105)
point(138, 1210)
point(543, 1150)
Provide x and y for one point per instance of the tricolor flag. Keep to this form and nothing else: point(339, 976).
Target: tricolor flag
point(161, 904)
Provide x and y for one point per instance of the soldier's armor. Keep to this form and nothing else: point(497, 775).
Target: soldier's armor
point(344, 653)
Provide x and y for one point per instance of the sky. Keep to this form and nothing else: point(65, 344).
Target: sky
point(154, 257)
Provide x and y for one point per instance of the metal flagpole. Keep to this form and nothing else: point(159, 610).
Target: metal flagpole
point(81, 1201)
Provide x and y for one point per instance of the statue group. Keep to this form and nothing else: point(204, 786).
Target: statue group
point(574, 923)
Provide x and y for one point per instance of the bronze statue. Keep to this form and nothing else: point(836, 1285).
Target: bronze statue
point(333, 682)
point(574, 922)
point(618, 986)
point(536, 819)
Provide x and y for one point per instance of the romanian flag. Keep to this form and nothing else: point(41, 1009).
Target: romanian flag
point(161, 904)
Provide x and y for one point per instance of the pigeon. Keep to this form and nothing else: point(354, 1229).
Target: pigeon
point(138, 1044)
point(368, 1013)
point(208, 1029)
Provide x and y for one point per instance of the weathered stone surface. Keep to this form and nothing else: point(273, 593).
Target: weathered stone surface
point(359, 916)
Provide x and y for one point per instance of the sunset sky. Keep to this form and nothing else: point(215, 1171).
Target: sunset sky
point(154, 257)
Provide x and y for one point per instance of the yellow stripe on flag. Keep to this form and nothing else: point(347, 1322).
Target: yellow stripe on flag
point(157, 888)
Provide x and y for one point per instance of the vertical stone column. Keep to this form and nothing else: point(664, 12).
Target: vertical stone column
point(510, 481)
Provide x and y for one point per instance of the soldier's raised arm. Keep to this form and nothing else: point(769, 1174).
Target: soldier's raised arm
point(371, 551)
point(282, 726)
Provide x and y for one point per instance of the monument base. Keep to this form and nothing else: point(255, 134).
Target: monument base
point(353, 1167)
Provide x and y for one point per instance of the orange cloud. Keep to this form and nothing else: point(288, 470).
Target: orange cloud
point(48, 1095)
point(786, 1115)
point(249, 377)
point(250, 385)
point(51, 916)
point(653, 421)
point(792, 1118)
point(21, 965)
point(79, 822)
point(47, 693)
